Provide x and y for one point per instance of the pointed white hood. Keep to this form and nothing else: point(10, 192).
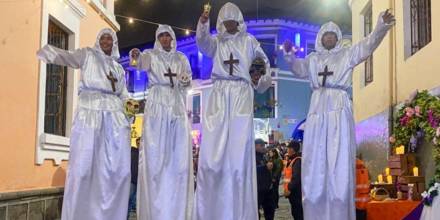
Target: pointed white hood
point(328, 27)
point(230, 11)
point(115, 49)
point(161, 29)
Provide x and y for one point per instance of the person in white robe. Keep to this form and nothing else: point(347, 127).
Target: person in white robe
point(432, 211)
point(98, 176)
point(226, 178)
point(329, 147)
point(165, 181)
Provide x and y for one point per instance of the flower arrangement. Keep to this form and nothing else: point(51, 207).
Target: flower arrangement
point(419, 118)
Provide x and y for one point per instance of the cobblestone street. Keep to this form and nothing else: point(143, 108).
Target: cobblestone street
point(282, 213)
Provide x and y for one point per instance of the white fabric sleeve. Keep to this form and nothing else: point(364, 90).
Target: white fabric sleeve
point(363, 49)
point(264, 83)
point(299, 67)
point(124, 95)
point(53, 55)
point(205, 42)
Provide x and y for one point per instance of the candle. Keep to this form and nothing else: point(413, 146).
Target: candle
point(389, 179)
point(400, 149)
point(416, 171)
point(387, 171)
point(380, 178)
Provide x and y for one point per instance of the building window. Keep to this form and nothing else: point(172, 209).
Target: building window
point(265, 104)
point(196, 107)
point(56, 85)
point(420, 18)
point(368, 27)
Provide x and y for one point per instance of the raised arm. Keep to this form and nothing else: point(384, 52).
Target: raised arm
point(140, 60)
point(363, 49)
point(299, 67)
point(54, 55)
point(265, 81)
point(205, 42)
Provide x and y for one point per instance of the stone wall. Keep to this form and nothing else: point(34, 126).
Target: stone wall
point(43, 204)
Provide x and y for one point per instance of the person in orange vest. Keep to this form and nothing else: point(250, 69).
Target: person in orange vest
point(292, 180)
point(362, 189)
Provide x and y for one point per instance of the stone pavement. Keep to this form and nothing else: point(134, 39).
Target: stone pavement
point(282, 213)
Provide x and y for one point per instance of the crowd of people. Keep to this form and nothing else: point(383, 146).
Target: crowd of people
point(278, 165)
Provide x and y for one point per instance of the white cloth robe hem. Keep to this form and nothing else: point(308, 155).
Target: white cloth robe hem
point(328, 174)
point(165, 179)
point(98, 176)
point(431, 212)
point(227, 155)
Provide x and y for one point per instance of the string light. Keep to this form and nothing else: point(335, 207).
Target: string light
point(188, 31)
point(131, 20)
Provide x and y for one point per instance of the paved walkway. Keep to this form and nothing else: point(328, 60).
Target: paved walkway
point(282, 213)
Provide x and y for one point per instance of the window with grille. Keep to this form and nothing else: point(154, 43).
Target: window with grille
point(56, 85)
point(420, 16)
point(368, 27)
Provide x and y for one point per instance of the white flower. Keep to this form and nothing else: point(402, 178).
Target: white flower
point(424, 194)
point(437, 185)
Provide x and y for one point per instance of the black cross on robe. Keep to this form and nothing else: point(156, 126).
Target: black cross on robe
point(325, 74)
point(170, 75)
point(231, 62)
point(113, 80)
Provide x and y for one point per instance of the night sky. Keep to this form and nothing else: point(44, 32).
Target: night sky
point(185, 14)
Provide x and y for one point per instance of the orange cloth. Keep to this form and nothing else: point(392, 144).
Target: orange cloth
point(288, 172)
point(362, 185)
point(390, 210)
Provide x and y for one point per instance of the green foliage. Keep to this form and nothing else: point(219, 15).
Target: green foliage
point(421, 113)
